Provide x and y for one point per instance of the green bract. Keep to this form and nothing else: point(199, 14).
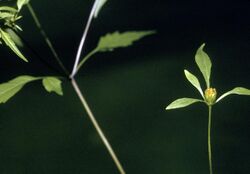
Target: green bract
point(204, 64)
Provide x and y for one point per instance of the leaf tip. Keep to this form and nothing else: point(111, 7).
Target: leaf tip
point(167, 108)
point(200, 49)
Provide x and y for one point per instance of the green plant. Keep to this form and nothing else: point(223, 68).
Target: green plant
point(9, 16)
point(208, 96)
point(109, 42)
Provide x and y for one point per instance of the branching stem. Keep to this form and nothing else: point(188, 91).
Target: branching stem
point(74, 83)
point(209, 139)
point(46, 38)
point(97, 127)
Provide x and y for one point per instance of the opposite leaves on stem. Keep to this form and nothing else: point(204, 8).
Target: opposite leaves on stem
point(10, 88)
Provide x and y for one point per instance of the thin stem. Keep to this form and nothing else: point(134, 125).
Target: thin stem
point(209, 139)
point(97, 127)
point(39, 57)
point(85, 32)
point(46, 38)
point(86, 58)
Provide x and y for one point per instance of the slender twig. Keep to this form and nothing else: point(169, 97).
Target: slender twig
point(97, 127)
point(91, 53)
point(46, 38)
point(39, 57)
point(209, 139)
point(80, 48)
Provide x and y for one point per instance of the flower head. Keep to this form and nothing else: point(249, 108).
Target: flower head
point(210, 96)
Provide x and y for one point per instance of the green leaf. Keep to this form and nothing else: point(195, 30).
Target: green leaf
point(194, 81)
point(21, 3)
point(237, 90)
point(4, 15)
point(53, 84)
point(15, 37)
point(204, 63)
point(9, 9)
point(182, 102)
point(9, 42)
point(9, 89)
point(100, 4)
point(114, 40)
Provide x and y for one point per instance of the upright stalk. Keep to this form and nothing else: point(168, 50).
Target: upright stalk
point(85, 32)
point(209, 139)
point(97, 127)
point(46, 38)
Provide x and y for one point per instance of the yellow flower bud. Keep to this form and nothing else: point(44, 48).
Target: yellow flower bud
point(210, 95)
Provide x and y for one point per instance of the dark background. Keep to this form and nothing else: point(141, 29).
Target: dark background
point(128, 90)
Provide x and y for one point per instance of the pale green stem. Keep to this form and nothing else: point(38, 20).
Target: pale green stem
point(209, 139)
point(86, 58)
point(85, 32)
point(97, 127)
point(46, 38)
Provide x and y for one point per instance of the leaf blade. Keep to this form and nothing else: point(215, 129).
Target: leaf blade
point(7, 8)
point(204, 63)
point(182, 102)
point(6, 15)
point(15, 37)
point(115, 40)
point(52, 84)
point(10, 88)
point(194, 81)
point(10, 43)
point(237, 90)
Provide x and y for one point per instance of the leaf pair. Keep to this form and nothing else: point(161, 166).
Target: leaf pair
point(204, 63)
point(10, 88)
